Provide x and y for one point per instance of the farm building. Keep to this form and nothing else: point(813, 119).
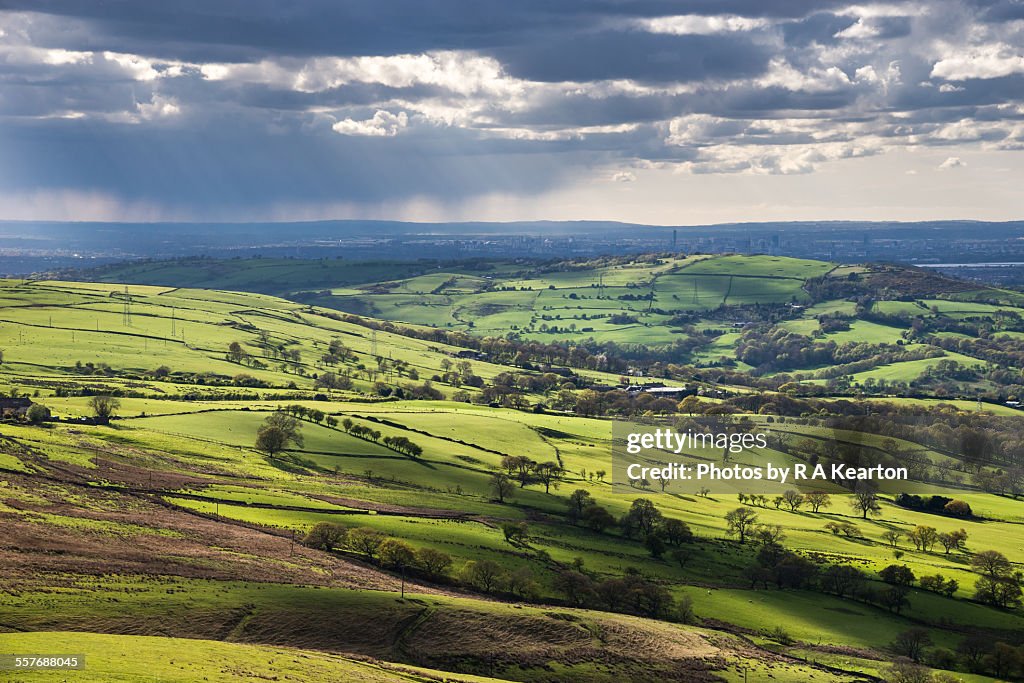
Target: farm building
point(669, 392)
point(14, 407)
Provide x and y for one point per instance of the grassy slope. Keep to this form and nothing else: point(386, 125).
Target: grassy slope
point(586, 297)
point(45, 328)
point(577, 300)
point(412, 484)
point(124, 658)
point(489, 639)
point(213, 450)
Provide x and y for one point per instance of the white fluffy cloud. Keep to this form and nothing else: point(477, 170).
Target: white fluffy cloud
point(158, 107)
point(860, 30)
point(459, 72)
point(383, 124)
point(695, 24)
point(984, 61)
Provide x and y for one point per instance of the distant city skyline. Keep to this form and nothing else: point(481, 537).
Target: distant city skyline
point(648, 111)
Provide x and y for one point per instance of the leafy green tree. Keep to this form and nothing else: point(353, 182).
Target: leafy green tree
point(522, 583)
point(597, 518)
point(434, 562)
point(642, 517)
point(897, 575)
point(325, 536)
point(953, 540)
point(279, 430)
point(366, 541)
point(516, 533)
point(578, 501)
point(676, 532)
point(655, 545)
point(518, 466)
point(104, 407)
point(485, 575)
point(892, 537)
point(923, 537)
point(237, 354)
point(397, 554)
point(37, 414)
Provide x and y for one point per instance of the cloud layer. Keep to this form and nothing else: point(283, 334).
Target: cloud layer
point(227, 109)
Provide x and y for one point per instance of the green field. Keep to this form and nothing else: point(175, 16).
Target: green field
point(122, 658)
point(579, 303)
point(167, 533)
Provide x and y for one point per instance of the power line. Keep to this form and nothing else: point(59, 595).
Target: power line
point(126, 316)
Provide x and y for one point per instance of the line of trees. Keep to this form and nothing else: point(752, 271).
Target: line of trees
point(312, 414)
point(526, 472)
point(379, 548)
point(629, 594)
point(399, 444)
point(977, 652)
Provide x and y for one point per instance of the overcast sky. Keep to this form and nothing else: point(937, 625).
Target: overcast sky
point(656, 111)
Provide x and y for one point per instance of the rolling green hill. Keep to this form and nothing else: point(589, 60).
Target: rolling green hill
point(893, 326)
point(168, 522)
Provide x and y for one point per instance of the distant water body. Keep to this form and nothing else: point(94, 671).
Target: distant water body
point(1001, 264)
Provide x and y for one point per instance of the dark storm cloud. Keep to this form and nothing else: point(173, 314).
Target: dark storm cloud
point(820, 27)
point(220, 167)
point(243, 29)
point(972, 94)
point(635, 55)
point(216, 104)
point(1002, 10)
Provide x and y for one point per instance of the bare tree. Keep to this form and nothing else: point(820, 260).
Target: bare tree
point(502, 486)
point(549, 474)
point(741, 522)
point(865, 500)
point(818, 500)
point(892, 537)
point(793, 499)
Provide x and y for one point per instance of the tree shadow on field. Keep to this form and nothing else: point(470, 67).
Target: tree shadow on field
point(288, 466)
